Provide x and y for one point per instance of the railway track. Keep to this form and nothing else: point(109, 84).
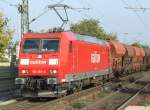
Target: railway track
point(55, 104)
point(120, 99)
point(22, 105)
point(128, 101)
point(68, 101)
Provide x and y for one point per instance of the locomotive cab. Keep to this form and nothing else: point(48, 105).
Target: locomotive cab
point(39, 64)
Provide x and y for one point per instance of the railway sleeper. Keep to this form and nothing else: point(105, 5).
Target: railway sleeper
point(143, 82)
point(130, 90)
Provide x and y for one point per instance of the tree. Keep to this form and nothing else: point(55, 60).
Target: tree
point(14, 54)
point(137, 44)
point(14, 48)
point(145, 46)
point(5, 36)
point(91, 27)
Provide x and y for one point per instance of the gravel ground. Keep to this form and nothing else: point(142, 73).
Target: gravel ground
point(80, 100)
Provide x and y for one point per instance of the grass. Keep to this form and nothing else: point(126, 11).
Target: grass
point(78, 105)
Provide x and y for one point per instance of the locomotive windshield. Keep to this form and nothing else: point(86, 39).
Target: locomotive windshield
point(41, 45)
point(50, 45)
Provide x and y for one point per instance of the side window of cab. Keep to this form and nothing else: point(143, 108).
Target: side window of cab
point(70, 47)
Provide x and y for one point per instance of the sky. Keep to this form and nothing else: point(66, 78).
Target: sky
point(129, 25)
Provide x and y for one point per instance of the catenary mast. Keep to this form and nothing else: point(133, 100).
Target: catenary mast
point(23, 9)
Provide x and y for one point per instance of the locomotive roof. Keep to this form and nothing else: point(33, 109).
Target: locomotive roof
point(74, 36)
point(90, 39)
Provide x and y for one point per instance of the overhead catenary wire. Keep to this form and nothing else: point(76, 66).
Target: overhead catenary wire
point(57, 2)
point(9, 3)
point(44, 12)
point(60, 1)
point(100, 15)
point(138, 16)
point(92, 17)
point(41, 14)
point(86, 15)
point(144, 9)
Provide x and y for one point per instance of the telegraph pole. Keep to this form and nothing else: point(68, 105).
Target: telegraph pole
point(23, 10)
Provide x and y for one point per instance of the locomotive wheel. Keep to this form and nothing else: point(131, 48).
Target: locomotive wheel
point(33, 99)
point(75, 89)
point(80, 86)
point(72, 90)
point(96, 84)
point(62, 95)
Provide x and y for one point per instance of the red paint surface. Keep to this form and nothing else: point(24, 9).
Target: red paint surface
point(75, 62)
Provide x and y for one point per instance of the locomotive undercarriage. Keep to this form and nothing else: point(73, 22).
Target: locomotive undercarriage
point(40, 87)
point(37, 87)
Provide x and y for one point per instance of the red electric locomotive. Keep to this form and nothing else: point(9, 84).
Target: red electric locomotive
point(50, 65)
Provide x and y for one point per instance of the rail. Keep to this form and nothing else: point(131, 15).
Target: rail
point(127, 102)
point(67, 101)
point(119, 98)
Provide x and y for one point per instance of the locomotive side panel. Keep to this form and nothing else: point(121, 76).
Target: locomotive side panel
point(92, 60)
point(91, 57)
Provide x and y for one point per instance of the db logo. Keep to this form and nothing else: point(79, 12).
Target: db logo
point(95, 57)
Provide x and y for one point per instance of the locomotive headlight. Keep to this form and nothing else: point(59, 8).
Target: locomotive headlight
point(54, 71)
point(53, 61)
point(24, 61)
point(24, 71)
